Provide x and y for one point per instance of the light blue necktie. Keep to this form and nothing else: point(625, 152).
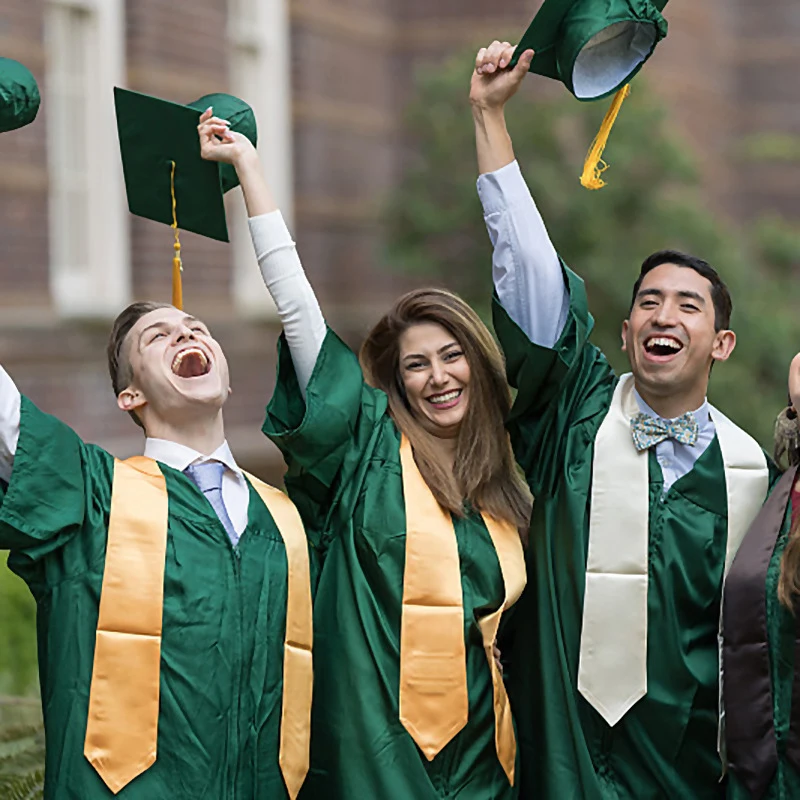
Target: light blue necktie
point(208, 477)
point(648, 431)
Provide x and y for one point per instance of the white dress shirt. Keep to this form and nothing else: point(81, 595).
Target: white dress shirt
point(526, 269)
point(529, 283)
point(235, 491)
point(9, 423)
point(674, 458)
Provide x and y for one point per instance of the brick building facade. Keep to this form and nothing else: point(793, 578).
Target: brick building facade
point(339, 73)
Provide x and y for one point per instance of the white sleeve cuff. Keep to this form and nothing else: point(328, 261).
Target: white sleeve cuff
point(10, 402)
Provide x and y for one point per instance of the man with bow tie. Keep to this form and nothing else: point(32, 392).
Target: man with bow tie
point(643, 493)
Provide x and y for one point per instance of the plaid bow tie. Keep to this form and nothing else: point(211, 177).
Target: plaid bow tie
point(649, 431)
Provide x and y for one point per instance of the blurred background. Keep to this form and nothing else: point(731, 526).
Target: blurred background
point(366, 136)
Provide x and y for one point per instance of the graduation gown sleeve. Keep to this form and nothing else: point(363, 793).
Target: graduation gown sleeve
point(345, 475)
point(51, 491)
point(223, 623)
point(665, 746)
point(556, 386)
point(323, 438)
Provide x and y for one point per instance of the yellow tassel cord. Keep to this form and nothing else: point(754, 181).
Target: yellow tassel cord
point(177, 266)
point(594, 165)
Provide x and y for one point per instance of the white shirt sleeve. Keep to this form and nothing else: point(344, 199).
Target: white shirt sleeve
point(9, 423)
point(298, 309)
point(526, 269)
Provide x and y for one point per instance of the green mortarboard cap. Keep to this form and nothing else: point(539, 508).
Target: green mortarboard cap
point(593, 47)
point(19, 95)
point(154, 133)
point(242, 120)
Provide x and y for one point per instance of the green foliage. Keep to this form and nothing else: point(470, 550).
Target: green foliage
point(779, 244)
point(21, 732)
point(21, 750)
point(17, 635)
point(771, 146)
point(652, 202)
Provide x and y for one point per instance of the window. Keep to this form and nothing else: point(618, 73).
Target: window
point(260, 74)
point(89, 252)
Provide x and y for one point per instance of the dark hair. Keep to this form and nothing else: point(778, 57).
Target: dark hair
point(721, 297)
point(484, 473)
point(119, 365)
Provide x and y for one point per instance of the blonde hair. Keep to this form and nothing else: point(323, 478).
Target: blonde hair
point(484, 472)
point(787, 454)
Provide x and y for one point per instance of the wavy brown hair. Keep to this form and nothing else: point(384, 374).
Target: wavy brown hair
point(787, 454)
point(484, 473)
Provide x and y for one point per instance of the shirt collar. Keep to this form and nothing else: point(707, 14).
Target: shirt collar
point(178, 456)
point(702, 414)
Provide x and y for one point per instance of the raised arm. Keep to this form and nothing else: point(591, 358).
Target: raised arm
point(298, 309)
point(9, 424)
point(526, 269)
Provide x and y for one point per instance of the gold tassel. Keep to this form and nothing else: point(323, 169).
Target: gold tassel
point(594, 165)
point(177, 265)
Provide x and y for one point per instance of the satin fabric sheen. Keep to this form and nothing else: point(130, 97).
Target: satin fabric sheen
point(434, 701)
point(666, 745)
point(223, 624)
point(781, 629)
point(122, 728)
point(343, 452)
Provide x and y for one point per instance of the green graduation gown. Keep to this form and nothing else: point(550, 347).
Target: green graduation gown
point(223, 625)
point(666, 745)
point(781, 644)
point(342, 450)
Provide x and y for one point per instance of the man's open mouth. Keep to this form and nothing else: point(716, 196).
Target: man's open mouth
point(662, 346)
point(191, 363)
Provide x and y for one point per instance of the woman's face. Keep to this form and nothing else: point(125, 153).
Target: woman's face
point(435, 373)
point(794, 382)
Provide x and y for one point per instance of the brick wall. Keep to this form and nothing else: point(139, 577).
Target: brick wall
point(23, 176)
point(346, 137)
point(727, 70)
point(692, 71)
point(177, 51)
point(179, 55)
point(767, 64)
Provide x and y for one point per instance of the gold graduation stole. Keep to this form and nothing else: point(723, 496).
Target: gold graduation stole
point(434, 702)
point(122, 726)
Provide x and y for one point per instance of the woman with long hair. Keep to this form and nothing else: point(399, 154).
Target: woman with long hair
point(404, 475)
point(761, 633)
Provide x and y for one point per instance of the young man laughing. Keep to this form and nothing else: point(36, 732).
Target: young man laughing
point(643, 493)
point(173, 590)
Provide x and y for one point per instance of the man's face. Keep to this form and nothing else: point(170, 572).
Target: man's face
point(178, 369)
point(669, 337)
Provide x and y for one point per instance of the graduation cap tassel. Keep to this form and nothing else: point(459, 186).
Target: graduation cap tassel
point(594, 165)
point(177, 266)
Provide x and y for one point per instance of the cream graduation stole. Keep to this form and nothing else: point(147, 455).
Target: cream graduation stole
point(434, 703)
point(122, 727)
point(612, 671)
